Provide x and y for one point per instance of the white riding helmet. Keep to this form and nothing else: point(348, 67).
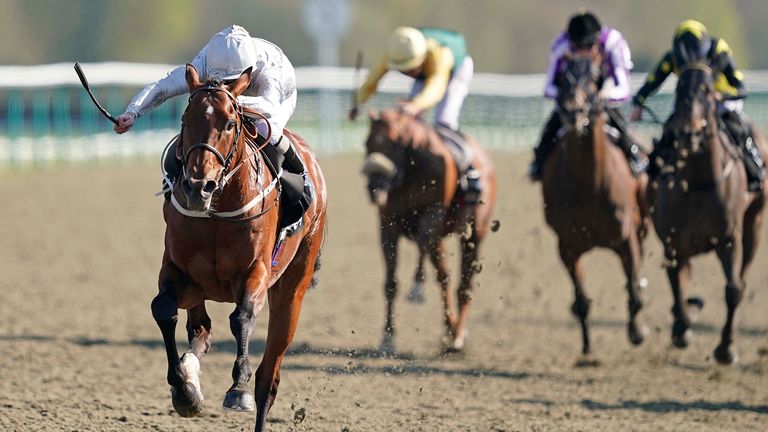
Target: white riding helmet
point(230, 52)
point(407, 48)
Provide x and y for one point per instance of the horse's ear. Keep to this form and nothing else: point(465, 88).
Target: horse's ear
point(241, 83)
point(373, 115)
point(193, 79)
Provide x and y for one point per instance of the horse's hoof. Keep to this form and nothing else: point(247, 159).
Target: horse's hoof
point(387, 347)
point(637, 334)
point(239, 400)
point(726, 356)
point(587, 361)
point(416, 294)
point(187, 401)
point(682, 340)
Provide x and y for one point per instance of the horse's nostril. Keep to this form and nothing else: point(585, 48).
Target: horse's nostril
point(210, 186)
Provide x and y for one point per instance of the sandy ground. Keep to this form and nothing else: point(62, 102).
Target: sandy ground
point(79, 253)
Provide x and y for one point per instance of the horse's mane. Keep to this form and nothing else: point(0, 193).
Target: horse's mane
point(412, 132)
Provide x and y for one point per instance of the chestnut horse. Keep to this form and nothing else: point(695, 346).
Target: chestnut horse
point(702, 204)
point(590, 197)
point(413, 180)
point(221, 227)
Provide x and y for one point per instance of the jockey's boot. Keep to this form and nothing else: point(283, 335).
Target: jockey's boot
point(626, 142)
point(297, 187)
point(474, 186)
point(547, 143)
point(171, 167)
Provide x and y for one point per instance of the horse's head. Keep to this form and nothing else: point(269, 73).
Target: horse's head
point(211, 129)
point(578, 85)
point(695, 109)
point(386, 154)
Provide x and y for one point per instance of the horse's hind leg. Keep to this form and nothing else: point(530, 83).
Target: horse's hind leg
point(581, 302)
point(182, 374)
point(285, 299)
point(437, 256)
point(416, 294)
point(241, 323)
point(630, 261)
point(730, 258)
point(469, 267)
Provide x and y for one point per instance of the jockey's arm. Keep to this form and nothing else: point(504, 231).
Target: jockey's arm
point(370, 85)
point(267, 101)
point(654, 79)
point(437, 68)
point(556, 54)
point(724, 62)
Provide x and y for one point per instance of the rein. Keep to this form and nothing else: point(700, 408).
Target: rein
point(225, 161)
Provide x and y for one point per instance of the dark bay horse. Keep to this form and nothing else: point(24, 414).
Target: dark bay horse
point(702, 204)
point(590, 197)
point(221, 227)
point(413, 180)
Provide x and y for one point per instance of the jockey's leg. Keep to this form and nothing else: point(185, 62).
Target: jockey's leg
point(627, 143)
point(447, 115)
point(740, 132)
point(547, 143)
point(297, 186)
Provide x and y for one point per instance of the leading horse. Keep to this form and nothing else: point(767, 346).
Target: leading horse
point(701, 203)
point(413, 179)
point(590, 197)
point(221, 228)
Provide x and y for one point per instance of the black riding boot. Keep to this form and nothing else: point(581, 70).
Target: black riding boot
point(740, 131)
point(547, 143)
point(627, 144)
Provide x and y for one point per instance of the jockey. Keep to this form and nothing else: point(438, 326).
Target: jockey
point(692, 43)
point(438, 61)
point(272, 91)
point(585, 33)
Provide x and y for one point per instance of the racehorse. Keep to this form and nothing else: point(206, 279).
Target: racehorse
point(701, 203)
point(221, 227)
point(413, 179)
point(591, 198)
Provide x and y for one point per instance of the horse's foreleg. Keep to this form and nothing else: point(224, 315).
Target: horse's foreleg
point(182, 374)
point(581, 303)
point(389, 241)
point(730, 254)
point(630, 260)
point(416, 294)
point(284, 308)
point(678, 271)
point(241, 322)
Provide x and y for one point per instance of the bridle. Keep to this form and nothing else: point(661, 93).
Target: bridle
point(223, 176)
point(592, 105)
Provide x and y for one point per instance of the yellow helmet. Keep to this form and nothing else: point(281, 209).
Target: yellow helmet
point(691, 26)
point(407, 48)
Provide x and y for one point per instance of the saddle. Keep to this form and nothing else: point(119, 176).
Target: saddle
point(456, 144)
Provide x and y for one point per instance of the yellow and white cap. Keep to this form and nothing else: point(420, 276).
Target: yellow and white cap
point(406, 48)
point(230, 52)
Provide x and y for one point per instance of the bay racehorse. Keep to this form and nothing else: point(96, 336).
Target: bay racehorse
point(591, 198)
point(701, 203)
point(413, 179)
point(221, 228)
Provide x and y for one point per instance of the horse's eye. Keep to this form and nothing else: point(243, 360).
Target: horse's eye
point(230, 124)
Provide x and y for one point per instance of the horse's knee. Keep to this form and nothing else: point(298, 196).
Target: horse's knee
point(390, 288)
point(580, 307)
point(165, 307)
point(733, 295)
point(241, 318)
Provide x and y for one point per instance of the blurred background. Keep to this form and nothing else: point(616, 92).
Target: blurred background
point(45, 116)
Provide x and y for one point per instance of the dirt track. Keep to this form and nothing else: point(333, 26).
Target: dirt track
point(79, 351)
